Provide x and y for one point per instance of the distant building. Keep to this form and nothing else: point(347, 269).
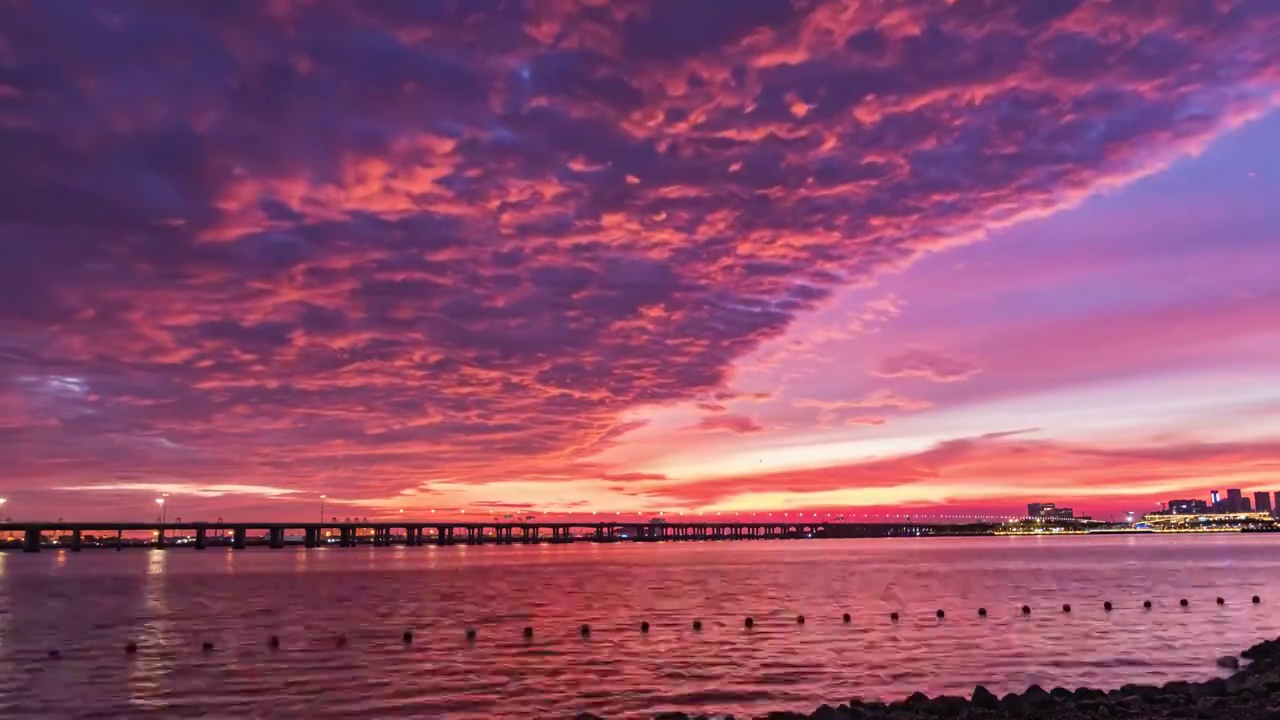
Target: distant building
point(1188, 507)
point(1245, 505)
point(1234, 502)
point(1040, 509)
point(1215, 501)
point(1276, 507)
point(1049, 511)
point(1262, 502)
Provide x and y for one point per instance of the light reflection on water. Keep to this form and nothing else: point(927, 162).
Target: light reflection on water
point(89, 605)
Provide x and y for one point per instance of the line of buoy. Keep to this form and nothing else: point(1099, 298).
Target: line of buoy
point(584, 630)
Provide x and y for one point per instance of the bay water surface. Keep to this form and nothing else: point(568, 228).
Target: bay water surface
point(88, 606)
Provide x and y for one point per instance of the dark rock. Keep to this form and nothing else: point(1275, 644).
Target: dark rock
point(984, 698)
point(786, 716)
point(1060, 693)
point(670, 716)
point(1216, 687)
point(826, 712)
point(1036, 695)
point(917, 699)
point(947, 706)
point(1230, 662)
point(587, 716)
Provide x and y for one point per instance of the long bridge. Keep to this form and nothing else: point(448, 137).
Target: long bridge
point(75, 536)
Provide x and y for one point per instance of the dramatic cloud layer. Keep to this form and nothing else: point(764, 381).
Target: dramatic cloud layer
point(359, 247)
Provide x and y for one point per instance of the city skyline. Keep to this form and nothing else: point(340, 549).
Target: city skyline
point(778, 257)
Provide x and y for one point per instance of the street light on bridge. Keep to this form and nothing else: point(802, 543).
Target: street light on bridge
point(163, 502)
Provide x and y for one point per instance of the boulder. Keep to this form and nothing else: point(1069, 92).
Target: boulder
point(826, 712)
point(1230, 662)
point(984, 698)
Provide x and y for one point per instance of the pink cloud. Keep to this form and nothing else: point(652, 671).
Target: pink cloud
point(926, 364)
point(740, 424)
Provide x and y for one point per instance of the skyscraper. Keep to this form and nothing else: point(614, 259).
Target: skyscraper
point(1235, 502)
point(1214, 500)
point(1262, 502)
point(1276, 507)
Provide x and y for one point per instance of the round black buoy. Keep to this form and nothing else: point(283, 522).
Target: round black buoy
point(1107, 606)
point(1026, 609)
point(697, 624)
point(940, 614)
point(644, 626)
point(1256, 600)
point(55, 655)
point(528, 633)
point(982, 612)
point(131, 648)
point(273, 642)
point(799, 619)
point(893, 616)
point(749, 623)
point(407, 637)
point(1146, 604)
point(584, 630)
point(471, 634)
point(847, 617)
point(207, 646)
point(341, 641)
point(1183, 602)
point(1066, 607)
point(1222, 601)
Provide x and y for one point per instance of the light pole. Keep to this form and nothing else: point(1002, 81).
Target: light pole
point(163, 502)
point(322, 497)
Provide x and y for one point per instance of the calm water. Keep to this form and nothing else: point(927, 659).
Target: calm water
point(89, 605)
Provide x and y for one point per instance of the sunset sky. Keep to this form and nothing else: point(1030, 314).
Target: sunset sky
point(701, 256)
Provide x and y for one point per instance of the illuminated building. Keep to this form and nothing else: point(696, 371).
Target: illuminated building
point(1188, 507)
point(1215, 501)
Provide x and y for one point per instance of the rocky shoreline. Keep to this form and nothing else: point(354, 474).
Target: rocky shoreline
point(1252, 693)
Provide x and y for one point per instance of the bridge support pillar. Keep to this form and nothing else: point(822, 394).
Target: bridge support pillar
point(344, 537)
point(160, 539)
point(76, 541)
point(201, 538)
point(119, 540)
point(311, 537)
point(31, 540)
point(277, 537)
point(239, 538)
